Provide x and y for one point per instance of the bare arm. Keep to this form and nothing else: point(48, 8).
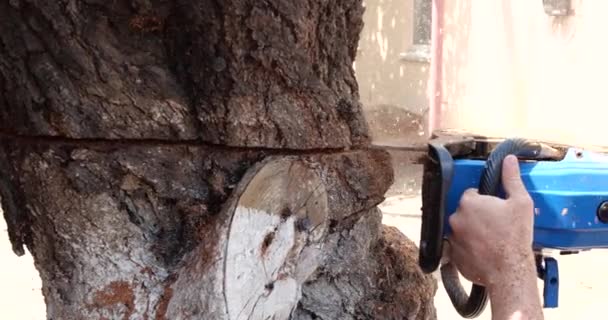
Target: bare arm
point(491, 244)
point(514, 296)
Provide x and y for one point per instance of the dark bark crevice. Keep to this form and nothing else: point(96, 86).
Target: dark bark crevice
point(102, 143)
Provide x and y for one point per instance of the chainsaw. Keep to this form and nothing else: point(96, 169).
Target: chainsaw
point(568, 185)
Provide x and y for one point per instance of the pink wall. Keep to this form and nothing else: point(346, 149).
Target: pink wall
point(506, 68)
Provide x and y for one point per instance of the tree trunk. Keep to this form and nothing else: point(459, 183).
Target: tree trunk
point(198, 159)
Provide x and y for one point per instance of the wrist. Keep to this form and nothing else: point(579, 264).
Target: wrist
point(516, 269)
point(514, 292)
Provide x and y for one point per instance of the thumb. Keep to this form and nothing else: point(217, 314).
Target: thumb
point(511, 177)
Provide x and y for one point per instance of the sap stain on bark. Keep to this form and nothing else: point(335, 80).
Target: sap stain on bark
point(116, 293)
point(146, 23)
point(165, 298)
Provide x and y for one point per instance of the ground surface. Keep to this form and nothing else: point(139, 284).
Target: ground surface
point(584, 279)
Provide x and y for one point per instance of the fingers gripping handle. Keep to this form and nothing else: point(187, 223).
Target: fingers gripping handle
point(490, 179)
point(472, 305)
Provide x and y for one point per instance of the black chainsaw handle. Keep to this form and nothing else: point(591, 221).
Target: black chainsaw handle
point(472, 305)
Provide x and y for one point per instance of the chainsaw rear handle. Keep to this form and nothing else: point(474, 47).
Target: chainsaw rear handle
point(472, 305)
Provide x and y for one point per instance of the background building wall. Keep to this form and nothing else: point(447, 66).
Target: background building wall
point(392, 68)
point(509, 68)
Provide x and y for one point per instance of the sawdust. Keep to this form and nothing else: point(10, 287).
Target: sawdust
point(401, 281)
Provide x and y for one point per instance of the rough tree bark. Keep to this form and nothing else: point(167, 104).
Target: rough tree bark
point(200, 159)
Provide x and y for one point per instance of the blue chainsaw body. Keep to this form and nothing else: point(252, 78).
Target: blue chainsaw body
point(567, 195)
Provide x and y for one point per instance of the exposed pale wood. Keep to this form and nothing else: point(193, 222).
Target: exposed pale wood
point(277, 257)
point(282, 212)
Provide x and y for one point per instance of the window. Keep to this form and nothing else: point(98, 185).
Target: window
point(420, 49)
point(422, 22)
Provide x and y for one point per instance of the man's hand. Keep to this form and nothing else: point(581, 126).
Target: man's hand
point(491, 244)
point(491, 236)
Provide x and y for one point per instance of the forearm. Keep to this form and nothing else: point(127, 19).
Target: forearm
point(514, 296)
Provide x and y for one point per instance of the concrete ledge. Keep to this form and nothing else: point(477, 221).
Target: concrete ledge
point(417, 53)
